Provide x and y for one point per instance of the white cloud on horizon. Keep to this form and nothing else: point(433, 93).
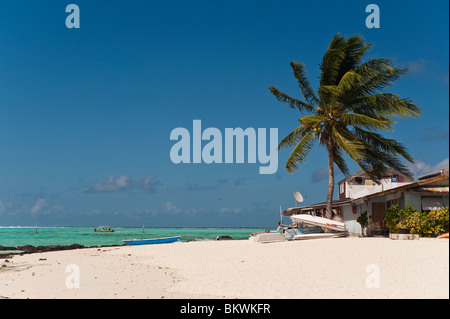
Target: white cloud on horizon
point(170, 208)
point(125, 183)
point(229, 210)
point(121, 183)
point(38, 206)
point(4, 206)
point(148, 183)
point(422, 69)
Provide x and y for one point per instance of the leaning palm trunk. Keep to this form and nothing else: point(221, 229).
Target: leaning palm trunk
point(347, 112)
point(329, 211)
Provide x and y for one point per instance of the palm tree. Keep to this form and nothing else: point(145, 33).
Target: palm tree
point(348, 110)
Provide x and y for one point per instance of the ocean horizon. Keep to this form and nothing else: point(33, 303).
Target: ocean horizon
point(13, 236)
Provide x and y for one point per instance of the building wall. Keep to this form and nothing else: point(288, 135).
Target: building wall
point(353, 227)
point(445, 200)
point(362, 185)
point(415, 200)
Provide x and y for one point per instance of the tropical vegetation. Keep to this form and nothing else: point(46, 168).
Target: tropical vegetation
point(425, 224)
point(346, 112)
point(363, 220)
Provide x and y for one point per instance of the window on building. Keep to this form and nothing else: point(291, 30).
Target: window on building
point(431, 203)
point(369, 182)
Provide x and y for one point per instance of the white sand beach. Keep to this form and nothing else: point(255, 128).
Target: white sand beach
point(321, 268)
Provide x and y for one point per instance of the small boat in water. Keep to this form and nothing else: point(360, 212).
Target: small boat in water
point(103, 229)
point(151, 241)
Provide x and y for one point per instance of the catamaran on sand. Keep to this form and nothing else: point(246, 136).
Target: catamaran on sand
point(303, 226)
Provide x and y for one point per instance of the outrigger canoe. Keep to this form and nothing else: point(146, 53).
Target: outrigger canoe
point(152, 241)
point(103, 229)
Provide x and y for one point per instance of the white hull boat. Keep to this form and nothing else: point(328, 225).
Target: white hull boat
point(269, 237)
point(312, 227)
point(319, 221)
point(320, 235)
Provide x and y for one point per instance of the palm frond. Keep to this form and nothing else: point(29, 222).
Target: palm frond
point(348, 143)
point(293, 137)
point(375, 76)
point(375, 154)
point(388, 104)
point(340, 161)
point(354, 53)
point(293, 103)
point(304, 85)
point(348, 81)
point(300, 152)
point(372, 123)
point(311, 120)
point(382, 145)
point(377, 162)
point(349, 108)
point(342, 56)
point(328, 95)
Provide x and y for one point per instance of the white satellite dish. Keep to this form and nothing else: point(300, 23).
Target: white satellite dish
point(298, 198)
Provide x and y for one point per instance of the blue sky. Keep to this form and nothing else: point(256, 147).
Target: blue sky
point(86, 114)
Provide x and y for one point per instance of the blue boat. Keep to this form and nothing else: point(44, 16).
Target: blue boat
point(152, 241)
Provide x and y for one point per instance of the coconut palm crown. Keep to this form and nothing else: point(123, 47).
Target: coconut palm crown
point(347, 112)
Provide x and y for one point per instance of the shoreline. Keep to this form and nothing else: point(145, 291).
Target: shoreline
point(30, 249)
point(340, 268)
point(13, 237)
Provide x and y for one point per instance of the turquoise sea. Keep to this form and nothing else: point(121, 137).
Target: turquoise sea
point(18, 236)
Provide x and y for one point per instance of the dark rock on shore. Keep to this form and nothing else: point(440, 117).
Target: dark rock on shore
point(225, 237)
point(29, 249)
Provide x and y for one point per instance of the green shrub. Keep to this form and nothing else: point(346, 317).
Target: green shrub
point(430, 224)
point(363, 219)
point(396, 218)
point(416, 222)
point(392, 217)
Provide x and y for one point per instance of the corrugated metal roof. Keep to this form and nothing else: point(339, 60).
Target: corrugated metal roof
point(431, 189)
point(298, 210)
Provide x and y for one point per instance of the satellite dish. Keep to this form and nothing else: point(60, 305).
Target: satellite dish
point(298, 198)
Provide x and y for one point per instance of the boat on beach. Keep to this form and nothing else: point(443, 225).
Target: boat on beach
point(318, 221)
point(151, 241)
point(303, 226)
point(306, 226)
point(266, 237)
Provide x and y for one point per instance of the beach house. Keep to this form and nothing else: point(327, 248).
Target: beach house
point(359, 193)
